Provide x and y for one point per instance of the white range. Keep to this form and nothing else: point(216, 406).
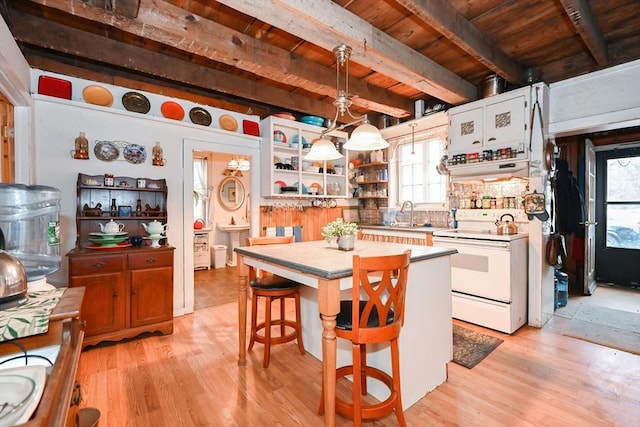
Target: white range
point(489, 273)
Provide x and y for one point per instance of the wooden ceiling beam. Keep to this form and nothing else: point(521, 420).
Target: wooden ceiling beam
point(327, 24)
point(126, 8)
point(175, 27)
point(445, 19)
point(75, 42)
point(580, 14)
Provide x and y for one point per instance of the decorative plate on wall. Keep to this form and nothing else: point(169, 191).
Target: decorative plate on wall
point(106, 151)
point(227, 122)
point(136, 102)
point(200, 116)
point(135, 153)
point(97, 95)
point(172, 110)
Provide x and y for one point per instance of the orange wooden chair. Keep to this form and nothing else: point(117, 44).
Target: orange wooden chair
point(379, 288)
point(271, 288)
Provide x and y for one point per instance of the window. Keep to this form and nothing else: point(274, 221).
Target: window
point(622, 202)
point(418, 178)
point(200, 189)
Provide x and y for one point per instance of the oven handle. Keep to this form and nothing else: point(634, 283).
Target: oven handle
point(472, 243)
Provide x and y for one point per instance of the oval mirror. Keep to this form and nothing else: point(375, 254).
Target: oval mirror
point(231, 193)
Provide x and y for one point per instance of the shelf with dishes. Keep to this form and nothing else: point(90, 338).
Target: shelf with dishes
point(287, 173)
point(124, 203)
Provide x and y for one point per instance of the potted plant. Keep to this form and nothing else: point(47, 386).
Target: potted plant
point(345, 232)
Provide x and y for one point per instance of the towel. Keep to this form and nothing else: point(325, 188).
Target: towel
point(279, 231)
point(270, 231)
point(288, 231)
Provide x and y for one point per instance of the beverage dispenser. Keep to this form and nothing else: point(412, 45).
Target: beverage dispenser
point(30, 227)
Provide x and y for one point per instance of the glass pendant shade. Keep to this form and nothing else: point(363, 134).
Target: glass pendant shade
point(323, 149)
point(366, 137)
point(233, 164)
point(244, 165)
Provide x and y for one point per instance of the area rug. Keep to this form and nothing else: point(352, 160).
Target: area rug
point(606, 326)
point(470, 347)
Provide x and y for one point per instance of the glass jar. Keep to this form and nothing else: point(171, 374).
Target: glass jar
point(108, 180)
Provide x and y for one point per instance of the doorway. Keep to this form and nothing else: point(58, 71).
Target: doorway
point(617, 243)
point(216, 203)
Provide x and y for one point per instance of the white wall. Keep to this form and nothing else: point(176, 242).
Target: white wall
point(56, 124)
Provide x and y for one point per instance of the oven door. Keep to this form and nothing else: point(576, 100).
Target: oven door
point(481, 268)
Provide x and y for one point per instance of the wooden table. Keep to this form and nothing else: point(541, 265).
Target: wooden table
point(322, 266)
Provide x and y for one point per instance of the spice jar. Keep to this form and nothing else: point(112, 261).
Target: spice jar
point(108, 180)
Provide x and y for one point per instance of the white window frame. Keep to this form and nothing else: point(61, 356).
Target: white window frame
point(425, 167)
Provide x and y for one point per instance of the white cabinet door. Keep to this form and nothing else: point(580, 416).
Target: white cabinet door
point(505, 124)
point(465, 130)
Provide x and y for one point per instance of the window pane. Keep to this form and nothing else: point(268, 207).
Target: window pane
point(623, 226)
point(623, 179)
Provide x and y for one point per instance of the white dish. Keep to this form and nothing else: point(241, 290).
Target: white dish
point(21, 386)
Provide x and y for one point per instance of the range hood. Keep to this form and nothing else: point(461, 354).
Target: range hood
point(487, 170)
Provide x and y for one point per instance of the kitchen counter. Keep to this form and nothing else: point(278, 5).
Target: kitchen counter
point(325, 273)
point(60, 398)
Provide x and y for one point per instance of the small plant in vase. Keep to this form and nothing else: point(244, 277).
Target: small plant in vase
point(345, 232)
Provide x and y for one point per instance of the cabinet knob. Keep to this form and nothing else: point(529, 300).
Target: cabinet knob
point(134, 291)
point(115, 294)
point(99, 264)
point(151, 260)
point(83, 323)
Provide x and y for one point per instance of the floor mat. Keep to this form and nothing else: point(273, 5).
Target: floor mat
point(470, 347)
point(606, 326)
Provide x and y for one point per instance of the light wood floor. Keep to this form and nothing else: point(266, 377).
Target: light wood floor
point(537, 377)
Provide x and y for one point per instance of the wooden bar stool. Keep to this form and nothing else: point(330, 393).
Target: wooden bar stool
point(379, 288)
point(272, 288)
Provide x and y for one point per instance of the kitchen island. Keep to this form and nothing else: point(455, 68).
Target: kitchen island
point(326, 273)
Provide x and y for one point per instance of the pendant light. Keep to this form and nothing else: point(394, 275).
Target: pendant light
point(365, 137)
point(323, 149)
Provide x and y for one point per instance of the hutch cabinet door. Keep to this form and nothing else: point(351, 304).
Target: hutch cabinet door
point(104, 305)
point(151, 296)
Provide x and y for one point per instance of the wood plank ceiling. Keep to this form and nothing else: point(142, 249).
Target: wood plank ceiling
point(263, 56)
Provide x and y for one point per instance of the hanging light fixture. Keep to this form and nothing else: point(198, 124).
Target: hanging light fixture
point(365, 137)
point(244, 165)
point(233, 164)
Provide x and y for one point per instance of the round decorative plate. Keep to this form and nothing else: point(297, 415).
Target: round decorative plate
point(228, 123)
point(172, 110)
point(135, 153)
point(200, 116)
point(106, 151)
point(136, 102)
point(97, 95)
point(279, 136)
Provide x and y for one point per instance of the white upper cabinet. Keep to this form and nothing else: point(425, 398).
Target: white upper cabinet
point(489, 124)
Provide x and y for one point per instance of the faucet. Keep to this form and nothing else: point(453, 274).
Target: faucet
point(404, 204)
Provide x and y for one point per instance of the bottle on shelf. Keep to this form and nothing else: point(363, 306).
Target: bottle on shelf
point(139, 207)
point(113, 211)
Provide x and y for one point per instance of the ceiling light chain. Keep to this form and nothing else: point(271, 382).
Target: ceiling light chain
point(365, 137)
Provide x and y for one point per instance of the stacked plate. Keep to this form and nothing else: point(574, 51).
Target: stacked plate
point(109, 240)
point(312, 120)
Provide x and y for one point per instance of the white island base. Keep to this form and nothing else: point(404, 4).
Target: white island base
point(425, 341)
